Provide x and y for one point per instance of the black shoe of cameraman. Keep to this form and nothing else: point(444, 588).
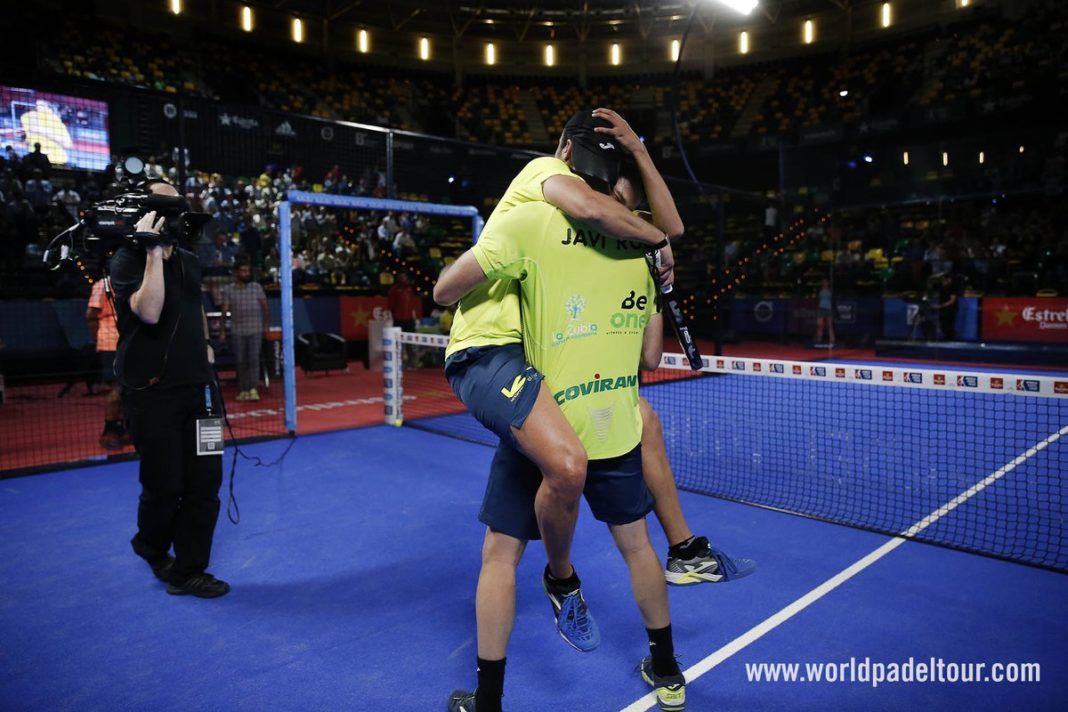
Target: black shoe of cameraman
point(159, 563)
point(200, 585)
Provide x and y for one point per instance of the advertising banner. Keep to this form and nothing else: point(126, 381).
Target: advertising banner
point(1025, 319)
point(358, 312)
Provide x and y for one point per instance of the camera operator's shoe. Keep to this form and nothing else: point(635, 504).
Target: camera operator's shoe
point(112, 441)
point(574, 622)
point(242, 396)
point(707, 565)
point(159, 563)
point(200, 585)
point(114, 437)
point(461, 701)
point(253, 395)
point(670, 689)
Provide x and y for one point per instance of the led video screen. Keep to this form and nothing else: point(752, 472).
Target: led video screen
point(72, 131)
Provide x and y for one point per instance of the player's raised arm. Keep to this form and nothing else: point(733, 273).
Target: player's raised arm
point(578, 200)
point(665, 213)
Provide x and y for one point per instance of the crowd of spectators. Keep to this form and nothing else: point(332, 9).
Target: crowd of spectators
point(982, 61)
point(1017, 247)
point(986, 61)
point(356, 250)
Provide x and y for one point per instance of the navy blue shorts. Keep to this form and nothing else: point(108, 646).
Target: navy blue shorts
point(496, 384)
point(615, 490)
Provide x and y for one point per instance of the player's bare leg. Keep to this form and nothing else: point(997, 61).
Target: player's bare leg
point(550, 442)
point(659, 478)
point(495, 616)
point(659, 669)
point(552, 445)
point(495, 595)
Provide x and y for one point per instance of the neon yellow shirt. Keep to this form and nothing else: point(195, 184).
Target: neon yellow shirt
point(585, 300)
point(488, 315)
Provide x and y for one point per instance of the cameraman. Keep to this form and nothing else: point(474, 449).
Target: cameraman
point(163, 363)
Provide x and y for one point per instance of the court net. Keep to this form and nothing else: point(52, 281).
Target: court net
point(968, 460)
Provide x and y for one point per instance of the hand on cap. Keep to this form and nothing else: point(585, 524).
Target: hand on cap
point(620, 131)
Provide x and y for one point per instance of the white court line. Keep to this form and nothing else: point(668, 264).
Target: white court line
point(759, 630)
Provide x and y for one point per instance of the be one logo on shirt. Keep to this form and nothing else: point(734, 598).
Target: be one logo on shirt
point(575, 329)
point(631, 316)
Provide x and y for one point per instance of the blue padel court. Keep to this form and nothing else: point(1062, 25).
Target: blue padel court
point(354, 570)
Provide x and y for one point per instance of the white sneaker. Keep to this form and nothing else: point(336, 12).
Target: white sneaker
point(253, 395)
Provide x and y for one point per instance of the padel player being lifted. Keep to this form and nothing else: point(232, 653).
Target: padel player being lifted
point(489, 372)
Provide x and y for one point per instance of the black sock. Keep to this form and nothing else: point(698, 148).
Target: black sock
point(694, 546)
point(562, 586)
point(490, 688)
point(663, 651)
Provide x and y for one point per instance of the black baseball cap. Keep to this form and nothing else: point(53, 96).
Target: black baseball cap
point(594, 156)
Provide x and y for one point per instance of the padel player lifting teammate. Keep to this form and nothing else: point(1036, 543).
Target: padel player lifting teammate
point(559, 262)
point(487, 368)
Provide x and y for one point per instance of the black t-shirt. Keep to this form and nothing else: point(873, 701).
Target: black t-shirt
point(952, 287)
point(172, 352)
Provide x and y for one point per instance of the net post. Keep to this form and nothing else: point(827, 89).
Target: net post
point(389, 164)
point(393, 388)
point(477, 223)
point(285, 269)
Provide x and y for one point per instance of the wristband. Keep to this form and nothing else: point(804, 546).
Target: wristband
point(662, 244)
point(148, 239)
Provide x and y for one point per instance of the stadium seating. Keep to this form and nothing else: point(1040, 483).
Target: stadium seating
point(982, 61)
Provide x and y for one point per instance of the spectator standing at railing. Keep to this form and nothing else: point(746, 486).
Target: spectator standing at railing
point(246, 303)
point(404, 303)
point(950, 294)
point(368, 247)
point(825, 314)
point(217, 257)
point(403, 244)
point(36, 161)
point(153, 169)
point(332, 177)
point(771, 221)
point(38, 191)
point(68, 199)
point(251, 240)
point(388, 229)
point(100, 317)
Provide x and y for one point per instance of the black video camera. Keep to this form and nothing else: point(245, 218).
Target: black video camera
point(111, 223)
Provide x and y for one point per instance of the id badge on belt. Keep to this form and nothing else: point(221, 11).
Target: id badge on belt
point(209, 430)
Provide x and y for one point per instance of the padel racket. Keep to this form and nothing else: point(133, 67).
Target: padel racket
point(674, 310)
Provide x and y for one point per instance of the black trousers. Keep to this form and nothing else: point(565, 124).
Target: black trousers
point(948, 320)
point(179, 502)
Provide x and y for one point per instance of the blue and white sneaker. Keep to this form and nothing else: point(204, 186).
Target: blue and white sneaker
point(708, 566)
point(573, 620)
